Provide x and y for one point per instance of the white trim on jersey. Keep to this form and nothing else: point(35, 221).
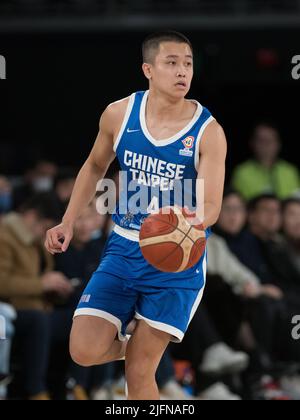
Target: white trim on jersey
point(175, 332)
point(102, 314)
point(125, 121)
point(132, 235)
point(197, 147)
point(200, 295)
point(174, 138)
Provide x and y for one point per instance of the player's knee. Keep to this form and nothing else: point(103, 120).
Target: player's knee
point(139, 371)
point(89, 342)
point(86, 354)
point(82, 355)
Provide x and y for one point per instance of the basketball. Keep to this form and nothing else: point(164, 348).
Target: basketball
point(170, 242)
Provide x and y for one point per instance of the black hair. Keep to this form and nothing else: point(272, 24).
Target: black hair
point(46, 205)
point(254, 202)
point(229, 190)
point(152, 43)
point(266, 124)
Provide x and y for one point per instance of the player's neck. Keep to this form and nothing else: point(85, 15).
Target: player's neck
point(164, 107)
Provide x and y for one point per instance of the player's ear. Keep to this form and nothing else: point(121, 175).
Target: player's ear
point(147, 70)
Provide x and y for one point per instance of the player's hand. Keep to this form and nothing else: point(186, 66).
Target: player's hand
point(58, 238)
point(192, 217)
point(56, 282)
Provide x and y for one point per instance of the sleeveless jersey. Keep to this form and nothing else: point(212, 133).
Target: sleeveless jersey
point(155, 173)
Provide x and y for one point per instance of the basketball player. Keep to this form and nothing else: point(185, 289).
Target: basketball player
point(156, 135)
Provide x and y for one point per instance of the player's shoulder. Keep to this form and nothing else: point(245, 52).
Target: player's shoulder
point(114, 113)
point(117, 108)
point(215, 129)
point(213, 139)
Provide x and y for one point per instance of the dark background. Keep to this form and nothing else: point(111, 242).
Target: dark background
point(59, 82)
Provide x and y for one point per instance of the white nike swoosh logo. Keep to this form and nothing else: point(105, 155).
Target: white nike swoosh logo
point(198, 271)
point(132, 131)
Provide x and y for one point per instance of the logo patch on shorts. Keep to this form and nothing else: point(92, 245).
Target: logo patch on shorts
point(85, 299)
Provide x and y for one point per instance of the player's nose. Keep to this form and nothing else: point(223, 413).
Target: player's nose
point(181, 71)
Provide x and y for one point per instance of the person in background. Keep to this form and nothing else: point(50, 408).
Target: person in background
point(5, 195)
point(232, 227)
point(27, 282)
point(63, 187)
point(291, 229)
point(265, 222)
point(38, 179)
point(266, 172)
point(260, 247)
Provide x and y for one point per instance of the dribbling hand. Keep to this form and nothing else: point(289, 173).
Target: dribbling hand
point(58, 238)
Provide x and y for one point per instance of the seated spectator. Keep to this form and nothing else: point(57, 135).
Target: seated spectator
point(265, 221)
point(5, 195)
point(291, 229)
point(232, 313)
point(266, 172)
point(38, 179)
point(26, 277)
point(8, 315)
point(242, 281)
point(262, 250)
point(231, 226)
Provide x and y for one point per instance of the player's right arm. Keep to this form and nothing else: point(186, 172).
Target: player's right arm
point(94, 169)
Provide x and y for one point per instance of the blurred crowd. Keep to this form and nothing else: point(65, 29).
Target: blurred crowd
point(239, 345)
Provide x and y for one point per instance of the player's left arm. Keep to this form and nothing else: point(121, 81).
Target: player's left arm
point(213, 150)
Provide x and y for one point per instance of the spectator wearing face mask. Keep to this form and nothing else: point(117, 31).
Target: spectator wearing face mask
point(266, 172)
point(38, 179)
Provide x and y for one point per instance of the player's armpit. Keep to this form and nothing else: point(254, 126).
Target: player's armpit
point(213, 150)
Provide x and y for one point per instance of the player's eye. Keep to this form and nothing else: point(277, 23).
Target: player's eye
point(172, 62)
point(189, 64)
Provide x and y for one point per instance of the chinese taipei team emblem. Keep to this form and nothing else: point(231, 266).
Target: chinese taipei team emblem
point(188, 143)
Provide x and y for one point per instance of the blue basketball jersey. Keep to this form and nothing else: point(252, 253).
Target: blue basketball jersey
point(125, 285)
point(155, 173)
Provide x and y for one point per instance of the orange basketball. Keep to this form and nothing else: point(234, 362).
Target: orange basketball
point(171, 242)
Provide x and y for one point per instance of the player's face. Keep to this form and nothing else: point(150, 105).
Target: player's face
point(172, 71)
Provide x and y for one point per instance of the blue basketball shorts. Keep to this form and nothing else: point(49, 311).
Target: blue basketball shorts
point(125, 286)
